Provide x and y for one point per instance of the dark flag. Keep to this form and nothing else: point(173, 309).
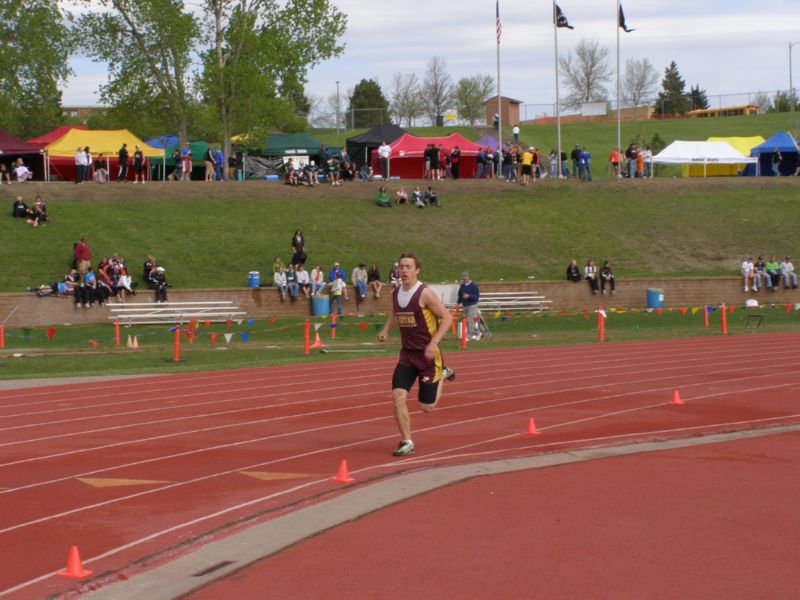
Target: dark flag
point(560, 19)
point(621, 18)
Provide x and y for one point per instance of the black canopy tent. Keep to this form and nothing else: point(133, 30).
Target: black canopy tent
point(360, 146)
point(12, 148)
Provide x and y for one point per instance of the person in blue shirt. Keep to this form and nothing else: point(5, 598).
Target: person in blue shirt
point(468, 297)
point(585, 162)
point(337, 269)
point(219, 164)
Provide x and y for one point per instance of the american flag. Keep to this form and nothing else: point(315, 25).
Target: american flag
point(499, 25)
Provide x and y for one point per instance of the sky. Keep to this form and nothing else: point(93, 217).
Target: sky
point(724, 46)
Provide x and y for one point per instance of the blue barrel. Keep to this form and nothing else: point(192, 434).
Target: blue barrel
point(320, 306)
point(655, 298)
point(254, 280)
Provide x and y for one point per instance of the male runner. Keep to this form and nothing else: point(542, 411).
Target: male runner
point(423, 321)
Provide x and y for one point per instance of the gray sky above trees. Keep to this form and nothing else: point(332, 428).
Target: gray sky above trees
point(725, 46)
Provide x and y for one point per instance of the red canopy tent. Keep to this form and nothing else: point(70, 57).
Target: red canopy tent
point(51, 136)
point(12, 148)
point(408, 162)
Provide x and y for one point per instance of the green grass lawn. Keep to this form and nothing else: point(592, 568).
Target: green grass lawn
point(29, 353)
point(212, 235)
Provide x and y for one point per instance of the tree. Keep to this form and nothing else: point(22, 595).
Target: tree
point(672, 100)
point(34, 54)
point(147, 45)
point(406, 102)
point(698, 98)
point(368, 106)
point(259, 57)
point(638, 81)
point(437, 89)
point(762, 101)
point(781, 103)
point(587, 73)
point(470, 94)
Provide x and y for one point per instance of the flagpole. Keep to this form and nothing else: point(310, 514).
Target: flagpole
point(558, 108)
point(499, 102)
point(619, 110)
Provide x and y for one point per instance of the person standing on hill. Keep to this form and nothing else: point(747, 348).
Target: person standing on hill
point(122, 155)
point(776, 162)
point(384, 151)
point(82, 255)
point(138, 165)
point(423, 321)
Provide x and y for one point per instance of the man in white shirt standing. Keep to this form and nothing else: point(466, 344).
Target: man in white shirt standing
point(647, 154)
point(748, 275)
point(515, 131)
point(384, 151)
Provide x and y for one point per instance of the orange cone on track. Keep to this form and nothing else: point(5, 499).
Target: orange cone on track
point(317, 342)
point(130, 342)
point(532, 428)
point(75, 569)
point(136, 342)
point(343, 476)
point(676, 398)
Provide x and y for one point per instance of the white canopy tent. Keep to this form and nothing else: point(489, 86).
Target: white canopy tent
point(701, 153)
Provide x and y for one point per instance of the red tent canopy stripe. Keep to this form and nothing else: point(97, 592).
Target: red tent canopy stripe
point(407, 161)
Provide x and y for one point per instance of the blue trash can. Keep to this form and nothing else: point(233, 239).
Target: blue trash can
point(320, 306)
point(254, 280)
point(655, 298)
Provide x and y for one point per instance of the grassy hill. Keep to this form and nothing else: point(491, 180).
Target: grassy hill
point(212, 235)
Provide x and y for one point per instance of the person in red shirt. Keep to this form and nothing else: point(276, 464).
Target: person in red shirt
point(613, 158)
point(83, 255)
point(423, 321)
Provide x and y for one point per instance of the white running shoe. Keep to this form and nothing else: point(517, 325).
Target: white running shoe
point(404, 448)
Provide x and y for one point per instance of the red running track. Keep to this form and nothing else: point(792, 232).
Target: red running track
point(143, 468)
point(712, 522)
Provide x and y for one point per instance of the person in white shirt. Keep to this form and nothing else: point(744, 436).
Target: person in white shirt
point(22, 172)
point(647, 154)
point(749, 275)
point(394, 276)
point(359, 279)
point(317, 280)
point(384, 151)
point(303, 281)
point(79, 161)
point(515, 131)
point(590, 275)
point(279, 279)
point(337, 290)
point(788, 274)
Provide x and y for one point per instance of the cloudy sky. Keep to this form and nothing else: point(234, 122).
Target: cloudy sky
point(725, 46)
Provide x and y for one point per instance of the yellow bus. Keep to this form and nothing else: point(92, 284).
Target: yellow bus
point(728, 111)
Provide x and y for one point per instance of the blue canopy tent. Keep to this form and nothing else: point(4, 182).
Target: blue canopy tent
point(163, 141)
point(786, 145)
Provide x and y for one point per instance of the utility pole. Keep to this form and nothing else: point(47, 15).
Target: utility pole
point(791, 88)
point(337, 108)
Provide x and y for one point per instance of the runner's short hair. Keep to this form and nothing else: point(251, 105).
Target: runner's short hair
point(412, 255)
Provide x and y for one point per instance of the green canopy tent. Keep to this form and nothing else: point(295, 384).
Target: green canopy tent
point(198, 152)
point(266, 160)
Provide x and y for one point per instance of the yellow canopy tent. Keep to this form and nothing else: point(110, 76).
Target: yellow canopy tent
point(742, 144)
point(106, 142)
point(60, 153)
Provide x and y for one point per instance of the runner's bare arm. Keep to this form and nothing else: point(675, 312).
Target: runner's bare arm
point(391, 322)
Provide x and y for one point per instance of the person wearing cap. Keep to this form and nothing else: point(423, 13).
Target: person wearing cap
point(468, 297)
point(763, 279)
point(159, 281)
point(359, 279)
point(788, 274)
point(337, 268)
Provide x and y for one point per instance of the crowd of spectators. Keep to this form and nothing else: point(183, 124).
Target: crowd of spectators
point(768, 274)
point(34, 215)
point(599, 280)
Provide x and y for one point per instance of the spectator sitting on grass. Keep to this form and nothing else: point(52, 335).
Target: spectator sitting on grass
point(348, 172)
point(382, 198)
point(100, 172)
point(39, 213)
point(20, 209)
point(365, 174)
point(417, 198)
point(401, 196)
point(291, 174)
point(432, 198)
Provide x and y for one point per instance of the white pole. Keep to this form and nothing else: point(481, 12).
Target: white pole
point(499, 104)
point(619, 113)
point(558, 108)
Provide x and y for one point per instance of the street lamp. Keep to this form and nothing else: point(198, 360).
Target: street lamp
point(337, 107)
point(791, 88)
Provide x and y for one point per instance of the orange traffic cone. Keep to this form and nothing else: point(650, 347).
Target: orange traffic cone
point(130, 342)
point(136, 341)
point(676, 398)
point(532, 428)
point(317, 342)
point(75, 569)
point(342, 476)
